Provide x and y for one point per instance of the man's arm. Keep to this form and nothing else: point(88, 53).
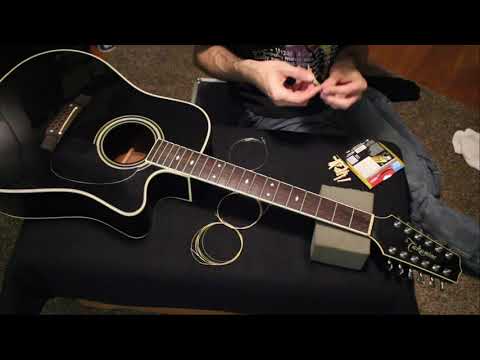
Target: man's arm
point(219, 62)
point(268, 76)
point(346, 84)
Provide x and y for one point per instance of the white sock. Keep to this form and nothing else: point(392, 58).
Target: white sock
point(467, 143)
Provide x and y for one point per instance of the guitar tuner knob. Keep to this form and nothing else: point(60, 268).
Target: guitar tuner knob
point(436, 268)
point(417, 236)
point(431, 282)
point(448, 255)
point(425, 263)
point(397, 224)
point(414, 259)
point(408, 231)
point(420, 278)
point(400, 269)
point(446, 272)
point(438, 249)
point(428, 243)
point(390, 265)
point(392, 250)
point(403, 254)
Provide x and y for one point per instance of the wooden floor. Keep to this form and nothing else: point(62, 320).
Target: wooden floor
point(450, 70)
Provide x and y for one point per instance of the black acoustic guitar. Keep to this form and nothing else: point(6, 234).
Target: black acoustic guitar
point(102, 152)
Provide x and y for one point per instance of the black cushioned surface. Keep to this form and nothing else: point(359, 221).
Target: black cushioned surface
point(81, 259)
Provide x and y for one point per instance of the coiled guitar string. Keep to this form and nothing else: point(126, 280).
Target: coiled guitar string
point(197, 246)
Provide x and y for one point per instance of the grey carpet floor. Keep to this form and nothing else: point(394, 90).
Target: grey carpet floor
point(169, 71)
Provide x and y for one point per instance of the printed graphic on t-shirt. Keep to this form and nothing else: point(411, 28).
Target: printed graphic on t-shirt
point(318, 57)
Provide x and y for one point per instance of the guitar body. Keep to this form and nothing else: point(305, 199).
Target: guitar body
point(78, 140)
point(93, 164)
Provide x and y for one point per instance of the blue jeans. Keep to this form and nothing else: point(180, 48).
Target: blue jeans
point(374, 117)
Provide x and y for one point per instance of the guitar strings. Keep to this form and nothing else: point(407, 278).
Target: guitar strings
point(197, 246)
point(250, 140)
point(199, 252)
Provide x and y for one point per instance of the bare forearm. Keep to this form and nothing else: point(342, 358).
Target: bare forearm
point(217, 61)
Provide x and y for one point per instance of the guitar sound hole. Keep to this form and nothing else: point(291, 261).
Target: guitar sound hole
point(128, 144)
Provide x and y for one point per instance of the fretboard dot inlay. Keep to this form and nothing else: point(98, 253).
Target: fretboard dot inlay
point(232, 177)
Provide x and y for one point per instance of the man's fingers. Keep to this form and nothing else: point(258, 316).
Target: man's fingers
point(298, 98)
point(302, 96)
point(339, 103)
point(298, 73)
point(327, 84)
point(344, 90)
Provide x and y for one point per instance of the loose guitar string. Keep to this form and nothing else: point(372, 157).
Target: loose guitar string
point(247, 140)
point(200, 254)
point(197, 246)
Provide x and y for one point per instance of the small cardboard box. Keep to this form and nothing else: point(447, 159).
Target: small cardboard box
point(335, 246)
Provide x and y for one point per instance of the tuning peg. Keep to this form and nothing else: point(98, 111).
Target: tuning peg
point(448, 255)
point(410, 274)
point(400, 269)
point(431, 282)
point(390, 265)
point(420, 278)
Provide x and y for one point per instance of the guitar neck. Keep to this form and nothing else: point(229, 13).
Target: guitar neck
point(187, 162)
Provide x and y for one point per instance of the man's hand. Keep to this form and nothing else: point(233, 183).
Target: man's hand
point(270, 77)
point(344, 87)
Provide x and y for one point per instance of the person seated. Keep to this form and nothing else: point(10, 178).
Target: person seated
point(289, 87)
point(320, 89)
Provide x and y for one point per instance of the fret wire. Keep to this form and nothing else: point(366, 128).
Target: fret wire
point(168, 154)
point(174, 156)
point(263, 188)
point(250, 188)
point(278, 187)
point(203, 167)
point(156, 150)
point(279, 182)
point(181, 158)
point(213, 167)
point(334, 211)
point(195, 165)
point(318, 206)
point(303, 202)
point(289, 196)
point(230, 178)
point(221, 172)
point(351, 217)
point(241, 179)
point(185, 166)
point(156, 161)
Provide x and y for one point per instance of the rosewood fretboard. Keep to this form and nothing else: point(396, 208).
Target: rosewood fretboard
point(252, 184)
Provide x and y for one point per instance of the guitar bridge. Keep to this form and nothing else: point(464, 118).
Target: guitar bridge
point(62, 121)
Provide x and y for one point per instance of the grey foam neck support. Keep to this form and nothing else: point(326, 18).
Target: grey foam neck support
point(334, 246)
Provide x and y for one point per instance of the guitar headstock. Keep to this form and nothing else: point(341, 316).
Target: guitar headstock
point(408, 249)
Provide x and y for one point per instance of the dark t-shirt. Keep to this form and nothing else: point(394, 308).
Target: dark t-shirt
point(319, 58)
